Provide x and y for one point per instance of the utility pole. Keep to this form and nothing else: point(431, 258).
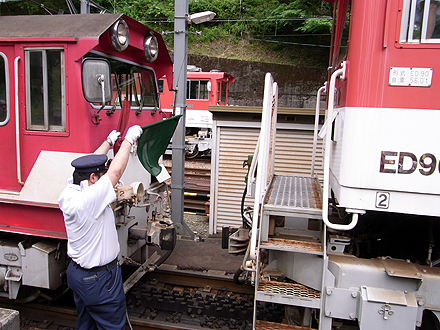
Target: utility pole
point(178, 151)
point(85, 7)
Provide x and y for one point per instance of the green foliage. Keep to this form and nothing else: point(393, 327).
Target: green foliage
point(273, 24)
point(33, 7)
point(223, 8)
point(316, 25)
point(302, 8)
point(142, 9)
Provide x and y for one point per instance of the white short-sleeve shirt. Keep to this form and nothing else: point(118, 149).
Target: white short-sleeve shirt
point(90, 223)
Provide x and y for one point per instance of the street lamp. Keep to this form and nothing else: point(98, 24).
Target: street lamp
point(181, 20)
point(198, 18)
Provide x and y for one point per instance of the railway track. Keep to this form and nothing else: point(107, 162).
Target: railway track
point(38, 317)
point(197, 183)
point(164, 299)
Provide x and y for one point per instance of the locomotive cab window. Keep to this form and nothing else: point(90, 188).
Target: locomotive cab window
point(197, 89)
point(4, 91)
point(45, 105)
point(133, 83)
point(160, 85)
point(221, 92)
point(138, 86)
point(420, 21)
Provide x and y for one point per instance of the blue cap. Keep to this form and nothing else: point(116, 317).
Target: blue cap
point(90, 163)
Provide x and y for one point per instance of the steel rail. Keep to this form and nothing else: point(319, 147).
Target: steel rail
point(46, 315)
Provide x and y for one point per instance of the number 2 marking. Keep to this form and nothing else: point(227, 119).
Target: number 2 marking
point(382, 200)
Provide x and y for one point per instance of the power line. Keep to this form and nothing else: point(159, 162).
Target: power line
point(299, 35)
point(221, 20)
point(275, 41)
point(47, 9)
point(269, 19)
point(262, 36)
point(258, 39)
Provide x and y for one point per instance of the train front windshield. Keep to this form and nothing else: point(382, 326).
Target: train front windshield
point(134, 83)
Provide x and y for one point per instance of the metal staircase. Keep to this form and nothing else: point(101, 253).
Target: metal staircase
point(260, 325)
point(288, 235)
point(289, 247)
point(296, 266)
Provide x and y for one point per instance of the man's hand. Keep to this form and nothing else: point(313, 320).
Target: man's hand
point(112, 137)
point(119, 163)
point(133, 133)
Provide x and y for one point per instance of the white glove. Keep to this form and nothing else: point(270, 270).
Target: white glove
point(133, 133)
point(112, 137)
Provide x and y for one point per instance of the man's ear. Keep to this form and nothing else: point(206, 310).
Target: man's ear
point(92, 178)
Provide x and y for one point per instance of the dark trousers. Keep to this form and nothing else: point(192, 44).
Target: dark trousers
point(99, 298)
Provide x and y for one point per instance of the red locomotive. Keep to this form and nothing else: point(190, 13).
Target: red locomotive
point(203, 89)
point(358, 247)
point(66, 81)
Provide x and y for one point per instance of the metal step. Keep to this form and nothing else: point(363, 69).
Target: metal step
point(294, 194)
point(265, 325)
point(288, 294)
point(290, 245)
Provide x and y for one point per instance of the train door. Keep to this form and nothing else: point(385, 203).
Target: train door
point(8, 167)
point(35, 78)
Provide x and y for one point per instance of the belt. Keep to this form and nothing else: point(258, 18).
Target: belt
point(98, 268)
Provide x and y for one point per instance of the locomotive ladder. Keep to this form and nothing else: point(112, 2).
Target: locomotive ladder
point(294, 252)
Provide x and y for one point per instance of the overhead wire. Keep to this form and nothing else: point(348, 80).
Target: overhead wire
point(217, 20)
point(47, 9)
point(272, 41)
point(256, 39)
point(167, 20)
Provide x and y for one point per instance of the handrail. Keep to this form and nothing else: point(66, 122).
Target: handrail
point(245, 260)
point(264, 145)
point(17, 124)
point(326, 183)
point(315, 130)
point(252, 168)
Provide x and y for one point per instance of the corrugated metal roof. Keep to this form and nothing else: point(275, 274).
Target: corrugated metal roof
point(56, 26)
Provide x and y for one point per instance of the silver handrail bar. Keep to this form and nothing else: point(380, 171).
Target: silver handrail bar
point(17, 123)
point(315, 130)
point(326, 183)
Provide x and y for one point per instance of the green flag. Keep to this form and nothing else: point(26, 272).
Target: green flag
point(153, 143)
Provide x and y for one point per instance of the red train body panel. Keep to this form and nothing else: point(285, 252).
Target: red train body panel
point(74, 37)
point(218, 91)
point(390, 75)
point(203, 89)
point(365, 236)
point(374, 46)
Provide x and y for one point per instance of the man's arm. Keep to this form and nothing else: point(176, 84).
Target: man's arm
point(105, 146)
point(432, 17)
point(119, 163)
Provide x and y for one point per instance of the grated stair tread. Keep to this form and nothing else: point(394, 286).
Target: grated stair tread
point(294, 194)
point(292, 245)
point(265, 325)
point(292, 294)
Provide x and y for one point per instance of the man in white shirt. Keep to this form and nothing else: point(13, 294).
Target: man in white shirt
point(94, 274)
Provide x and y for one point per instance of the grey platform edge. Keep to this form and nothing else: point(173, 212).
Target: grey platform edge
point(9, 319)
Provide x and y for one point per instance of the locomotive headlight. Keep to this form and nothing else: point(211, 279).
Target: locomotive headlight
point(119, 35)
point(151, 48)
